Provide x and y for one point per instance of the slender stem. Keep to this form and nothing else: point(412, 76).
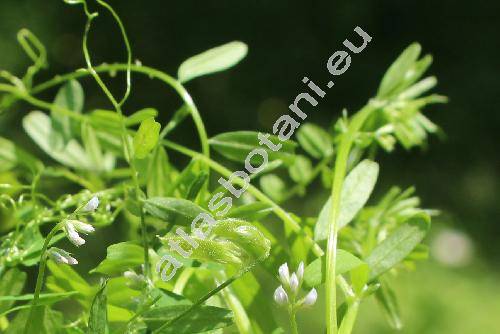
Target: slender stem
point(314, 173)
point(338, 180)
point(23, 95)
point(150, 72)
point(278, 210)
point(118, 107)
point(147, 269)
point(198, 303)
point(293, 322)
point(240, 315)
point(41, 273)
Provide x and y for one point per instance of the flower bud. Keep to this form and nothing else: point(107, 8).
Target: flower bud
point(73, 235)
point(300, 271)
point(311, 297)
point(280, 296)
point(284, 274)
point(92, 204)
point(82, 227)
point(134, 281)
point(294, 284)
point(61, 256)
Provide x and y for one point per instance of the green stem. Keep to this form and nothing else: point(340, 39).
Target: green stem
point(278, 210)
point(118, 107)
point(293, 322)
point(240, 315)
point(349, 320)
point(314, 173)
point(338, 180)
point(41, 273)
point(150, 72)
point(23, 95)
point(198, 303)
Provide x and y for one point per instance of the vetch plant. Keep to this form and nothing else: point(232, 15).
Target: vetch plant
point(202, 243)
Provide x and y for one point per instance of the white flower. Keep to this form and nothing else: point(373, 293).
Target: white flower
point(284, 274)
point(82, 227)
point(280, 296)
point(61, 256)
point(92, 204)
point(300, 271)
point(294, 284)
point(73, 235)
point(311, 297)
point(135, 281)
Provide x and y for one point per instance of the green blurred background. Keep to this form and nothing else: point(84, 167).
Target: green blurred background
point(457, 291)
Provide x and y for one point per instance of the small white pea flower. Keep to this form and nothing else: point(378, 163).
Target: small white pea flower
point(300, 271)
point(284, 274)
point(73, 235)
point(311, 298)
point(294, 284)
point(82, 227)
point(280, 296)
point(61, 256)
point(92, 204)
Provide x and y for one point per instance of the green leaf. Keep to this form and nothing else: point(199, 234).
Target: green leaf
point(146, 137)
point(398, 76)
point(71, 97)
point(98, 319)
point(140, 116)
point(398, 245)
point(315, 272)
point(93, 149)
point(301, 170)
point(315, 141)
point(173, 210)
point(179, 115)
point(273, 186)
point(44, 321)
point(359, 278)
point(186, 179)
point(63, 278)
point(44, 299)
point(39, 128)
point(12, 156)
point(357, 188)
point(214, 60)
point(387, 300)
point(119, 258)
point(200, 320)
point(158, 173)
point(237, 145)
point(252, 211)
point(11, 284)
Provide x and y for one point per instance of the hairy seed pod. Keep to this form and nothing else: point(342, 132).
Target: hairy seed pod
point(245, 235)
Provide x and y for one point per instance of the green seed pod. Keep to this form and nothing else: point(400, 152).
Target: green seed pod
point(224, 252)
point(245, 235)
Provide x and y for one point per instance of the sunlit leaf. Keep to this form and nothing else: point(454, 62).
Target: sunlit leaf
point(173, 210)
point(237, 145)
point(315, 272)
point(146, 137)
point(315, 141)
point(98, 319)
point(119, 258)
point(214, 60)
point(39, 128)
point(357, 188)
point(398, 245)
